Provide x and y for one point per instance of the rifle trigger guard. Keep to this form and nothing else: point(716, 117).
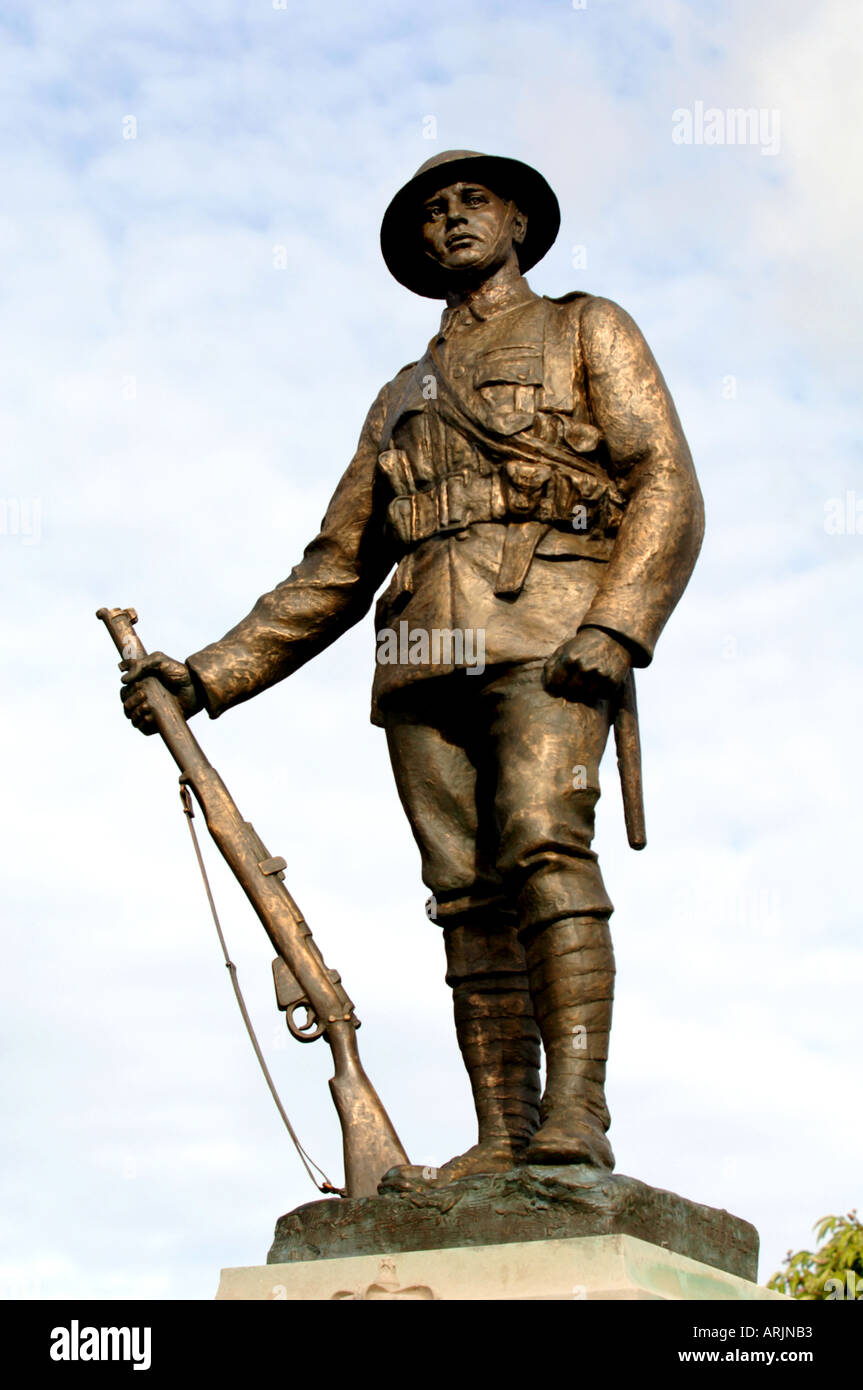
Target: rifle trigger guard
point(303, 1031)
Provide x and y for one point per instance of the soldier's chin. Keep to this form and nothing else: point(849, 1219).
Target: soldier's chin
point(475, 266)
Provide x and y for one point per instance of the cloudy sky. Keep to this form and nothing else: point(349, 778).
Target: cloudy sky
point(195, 319)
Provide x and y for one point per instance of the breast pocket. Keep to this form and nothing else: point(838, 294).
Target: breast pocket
point(506, 382)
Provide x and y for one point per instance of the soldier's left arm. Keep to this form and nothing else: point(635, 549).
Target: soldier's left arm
point(663, 524)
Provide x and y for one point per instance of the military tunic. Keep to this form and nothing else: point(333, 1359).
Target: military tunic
point(526, 478)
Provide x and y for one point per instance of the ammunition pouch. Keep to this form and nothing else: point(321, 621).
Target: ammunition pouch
point(515, 491)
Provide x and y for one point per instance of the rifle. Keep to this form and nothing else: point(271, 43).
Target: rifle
point(371, 1145)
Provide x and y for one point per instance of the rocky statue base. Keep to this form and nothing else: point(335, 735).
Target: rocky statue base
point(533, 1233)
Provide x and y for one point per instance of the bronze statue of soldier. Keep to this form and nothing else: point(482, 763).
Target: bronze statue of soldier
point(529, 483)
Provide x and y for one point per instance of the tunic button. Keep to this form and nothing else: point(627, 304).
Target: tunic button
point(458, 371)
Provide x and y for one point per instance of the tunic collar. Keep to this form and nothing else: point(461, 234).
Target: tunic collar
point(486, 302)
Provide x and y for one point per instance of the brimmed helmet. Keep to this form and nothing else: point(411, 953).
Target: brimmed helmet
point(402, 246)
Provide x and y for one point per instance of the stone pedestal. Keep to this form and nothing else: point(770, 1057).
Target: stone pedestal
point(534, 1232)
point(582, 1267)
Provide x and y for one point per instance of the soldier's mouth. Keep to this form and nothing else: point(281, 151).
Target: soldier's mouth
point(461, 239)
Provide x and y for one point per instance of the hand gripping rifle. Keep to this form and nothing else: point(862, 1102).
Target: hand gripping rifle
point(371, 1145)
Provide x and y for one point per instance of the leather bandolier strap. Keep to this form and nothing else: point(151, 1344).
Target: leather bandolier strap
point(529, 482)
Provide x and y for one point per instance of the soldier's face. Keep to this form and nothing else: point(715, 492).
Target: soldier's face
point(468, 227)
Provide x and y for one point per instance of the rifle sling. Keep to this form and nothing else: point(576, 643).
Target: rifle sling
point(326, 1186)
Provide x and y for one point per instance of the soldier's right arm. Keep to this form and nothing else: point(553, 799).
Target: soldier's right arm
point(330, 589)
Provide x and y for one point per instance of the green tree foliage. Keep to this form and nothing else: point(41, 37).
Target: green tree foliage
point(835, 1271)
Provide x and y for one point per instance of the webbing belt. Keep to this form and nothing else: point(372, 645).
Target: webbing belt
point(517, 492)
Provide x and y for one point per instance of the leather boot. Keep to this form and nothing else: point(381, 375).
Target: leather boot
point(499, 1043)
point(571, 971)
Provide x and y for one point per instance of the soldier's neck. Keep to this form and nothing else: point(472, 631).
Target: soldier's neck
point(503, 287)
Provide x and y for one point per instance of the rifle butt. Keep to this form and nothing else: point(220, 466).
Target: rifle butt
point(371, 1145)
